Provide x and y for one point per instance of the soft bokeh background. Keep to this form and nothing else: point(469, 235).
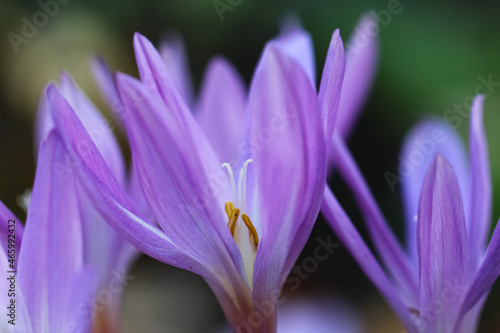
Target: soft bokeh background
point(432, 54)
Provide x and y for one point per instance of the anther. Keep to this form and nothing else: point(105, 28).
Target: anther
point(251, 230)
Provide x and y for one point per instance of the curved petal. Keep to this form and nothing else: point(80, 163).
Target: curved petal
point(156, 77)
point(52, 253)
point(106, 193)
point(297, 44)
point(105, 249)
point(287, 146)
point(419, 149)
point(331, 85)
point(105, 80)
point(387, 245)
point(173, 53)
point(157, 80)
point(221, 109)
point(19, 321)
point(6, 225)
point(486, 275)
point(166, 158)
point(343, 227)
point(360, 69)
point(480, 214)
point(43, 123)
point(442, 246)
point(80, 312)
point(96, 125)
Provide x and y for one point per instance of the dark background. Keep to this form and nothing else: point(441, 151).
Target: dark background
point(432, 54)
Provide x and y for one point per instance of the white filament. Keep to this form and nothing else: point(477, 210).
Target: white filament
point(241, 234)
point(231, 178)
point(242, 187)
point(240, 200)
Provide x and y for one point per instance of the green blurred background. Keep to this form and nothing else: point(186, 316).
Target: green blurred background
point(432, 54)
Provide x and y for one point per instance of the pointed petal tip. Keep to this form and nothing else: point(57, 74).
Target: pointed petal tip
point(125, 82)
point(477, 105)
point(441, 164)
point(336, 34)
point(219, 62)
point(141, 41)
point(51, 92)
point(138, 36)
point(64, 75)
point(440, 158)
point(366, 18)
point(97, 60)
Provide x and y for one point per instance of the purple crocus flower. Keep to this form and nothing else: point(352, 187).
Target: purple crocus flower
point(103, 247)
point(440, 282)
point(52, 282)
point(241, 235)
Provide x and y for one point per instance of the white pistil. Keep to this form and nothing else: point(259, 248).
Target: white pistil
point(231, 178)
point(242, 187)
point(239, 224)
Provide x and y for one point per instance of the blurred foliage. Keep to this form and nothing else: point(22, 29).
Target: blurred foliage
point(433, 53)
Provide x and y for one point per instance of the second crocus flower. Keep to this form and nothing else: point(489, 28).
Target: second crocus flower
point(439, 282)
point(239, 225)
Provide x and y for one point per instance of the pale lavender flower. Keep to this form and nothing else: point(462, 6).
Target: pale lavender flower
point(241, 235)
point(104, 248)
point(440, 281)
point(52, 282)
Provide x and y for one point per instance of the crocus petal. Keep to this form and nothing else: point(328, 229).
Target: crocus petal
point(43, 123)
point(80, 312)
point(117, 209)
point(388, 247)
point(343, 227)
point(107, 195)
point(287, 146)
point(486, 275)
point(52, 251)
point(157, 80)
point(20, 320)
point(156, 76)
point(297, 44)
point(442, 245)
point(105, 80)
point(221, 109)
point(6, 218)
point(360, 68)
point(173, 53)
point(331, 85)
point(419, 149)
point(166, 159)
point(99, 238)
point(480, 214)
point(105, 249)
point(98, 128)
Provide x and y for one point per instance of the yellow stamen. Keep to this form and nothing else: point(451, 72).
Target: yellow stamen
point(251, 230)
point(228, 207)
point(239, 224)
point(233, 215)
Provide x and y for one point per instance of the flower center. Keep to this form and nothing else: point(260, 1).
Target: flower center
point(239, 224)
